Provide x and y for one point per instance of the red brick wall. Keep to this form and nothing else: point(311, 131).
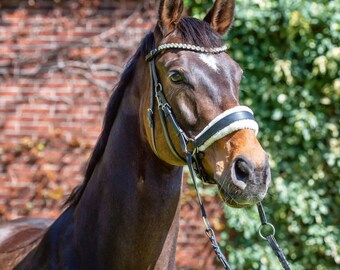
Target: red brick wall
point(59, 61)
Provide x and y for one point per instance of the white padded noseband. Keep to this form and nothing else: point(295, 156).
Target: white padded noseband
point(233, 126)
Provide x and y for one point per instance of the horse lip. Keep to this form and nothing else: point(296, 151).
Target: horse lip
point(251, 195)
point(229, 200)
point(234, 202)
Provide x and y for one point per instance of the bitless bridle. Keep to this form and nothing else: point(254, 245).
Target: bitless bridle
point(236, 118)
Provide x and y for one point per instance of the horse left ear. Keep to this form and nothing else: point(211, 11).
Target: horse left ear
point(221, 15)
point(169, 14)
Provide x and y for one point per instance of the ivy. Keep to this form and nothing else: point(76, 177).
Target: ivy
point(289, 51)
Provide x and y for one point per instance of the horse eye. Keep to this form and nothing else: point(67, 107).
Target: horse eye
point(176, 77)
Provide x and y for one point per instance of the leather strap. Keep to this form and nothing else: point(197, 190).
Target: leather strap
point(224, 122)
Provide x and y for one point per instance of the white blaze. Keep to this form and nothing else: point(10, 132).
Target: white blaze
point(210, 60)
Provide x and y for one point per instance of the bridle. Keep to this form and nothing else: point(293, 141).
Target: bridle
point(229, 121)
point(239, 117)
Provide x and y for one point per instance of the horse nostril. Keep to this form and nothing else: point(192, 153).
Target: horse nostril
point(242, 170)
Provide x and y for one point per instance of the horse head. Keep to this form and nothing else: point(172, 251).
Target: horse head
point(200, 83)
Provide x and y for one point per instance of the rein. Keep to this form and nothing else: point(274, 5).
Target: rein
point(229, 121)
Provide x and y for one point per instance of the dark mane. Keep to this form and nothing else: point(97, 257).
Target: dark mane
point(192, 31)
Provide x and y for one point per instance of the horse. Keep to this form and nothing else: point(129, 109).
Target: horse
point(177, 100)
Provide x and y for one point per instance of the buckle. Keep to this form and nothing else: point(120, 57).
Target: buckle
point(151, 55)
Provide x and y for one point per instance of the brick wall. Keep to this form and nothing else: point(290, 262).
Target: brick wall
point(59, 61)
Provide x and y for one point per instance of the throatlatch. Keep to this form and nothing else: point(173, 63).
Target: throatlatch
point(229, 121)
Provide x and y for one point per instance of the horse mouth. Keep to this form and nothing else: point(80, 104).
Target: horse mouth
point(238, 198)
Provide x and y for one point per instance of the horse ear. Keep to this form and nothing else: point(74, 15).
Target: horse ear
point(169, 14)
point(221, 15)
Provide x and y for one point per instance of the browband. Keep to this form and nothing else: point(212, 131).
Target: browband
point(187, 47)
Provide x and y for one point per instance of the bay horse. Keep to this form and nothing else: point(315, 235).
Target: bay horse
point(177, 97)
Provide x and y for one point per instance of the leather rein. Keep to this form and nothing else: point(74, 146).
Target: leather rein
point(229, 121)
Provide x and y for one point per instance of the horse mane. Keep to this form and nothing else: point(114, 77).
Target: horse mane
point(193, 31)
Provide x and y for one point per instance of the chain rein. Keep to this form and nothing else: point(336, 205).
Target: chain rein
point(165, 112)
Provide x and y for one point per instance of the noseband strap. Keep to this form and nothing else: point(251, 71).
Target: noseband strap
point(236, 118)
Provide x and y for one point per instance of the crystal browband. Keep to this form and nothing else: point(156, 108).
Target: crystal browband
point(187, 47)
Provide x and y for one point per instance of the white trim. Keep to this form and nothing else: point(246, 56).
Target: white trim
point(224, 114)
point(241, 124)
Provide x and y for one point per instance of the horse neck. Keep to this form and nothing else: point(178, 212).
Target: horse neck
point(132, 199)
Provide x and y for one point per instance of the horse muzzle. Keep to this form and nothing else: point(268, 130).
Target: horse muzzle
point(245, 182)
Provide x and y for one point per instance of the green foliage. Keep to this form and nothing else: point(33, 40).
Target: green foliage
point(289, 53)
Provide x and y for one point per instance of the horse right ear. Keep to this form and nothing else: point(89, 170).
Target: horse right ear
point(169, 14)
point(221, 15)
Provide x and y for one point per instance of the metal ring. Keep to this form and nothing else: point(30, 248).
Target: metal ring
point(158, 87)
point(270, 234)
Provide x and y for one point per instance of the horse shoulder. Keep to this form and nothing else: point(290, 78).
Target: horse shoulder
point(18, 238)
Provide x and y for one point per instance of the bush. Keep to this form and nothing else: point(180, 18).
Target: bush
point(288, 51)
